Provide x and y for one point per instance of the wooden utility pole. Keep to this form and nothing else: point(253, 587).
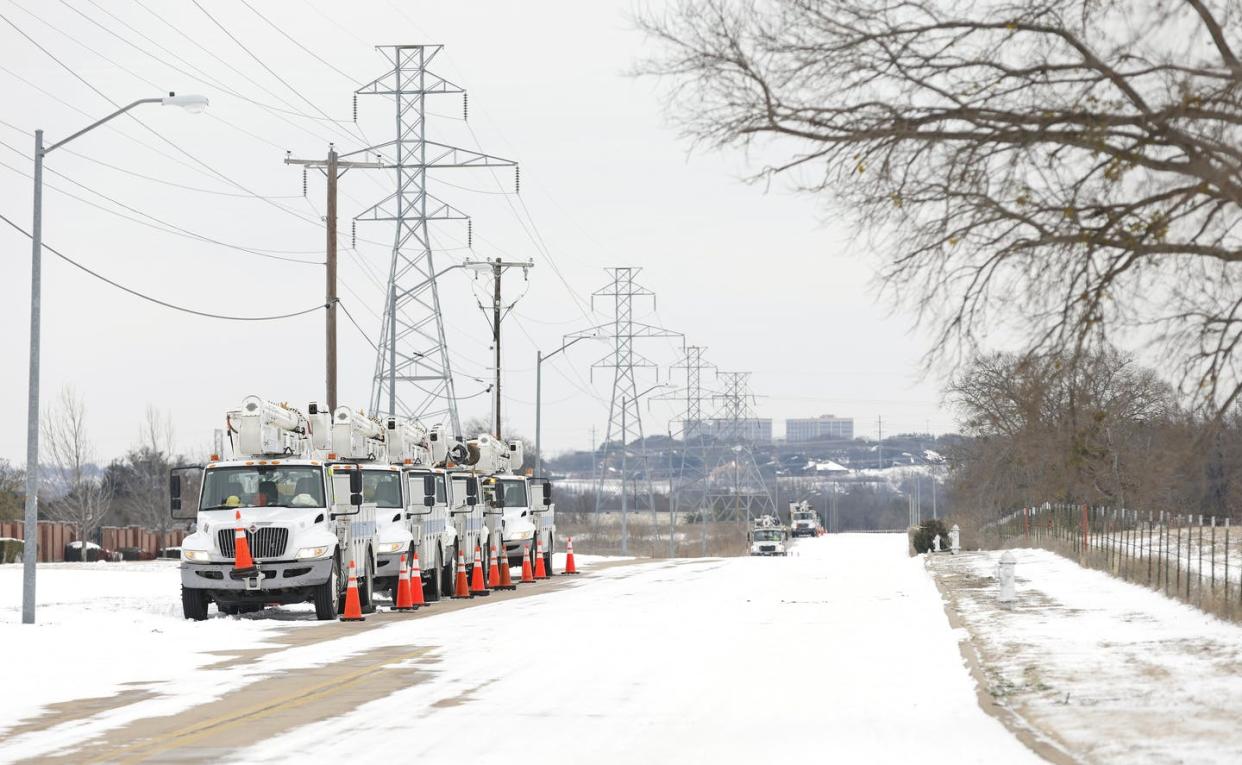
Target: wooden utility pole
point(497, 268)
point(333, 168)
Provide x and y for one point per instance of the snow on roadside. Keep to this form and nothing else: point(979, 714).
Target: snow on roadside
point(102, 627)
point(99, 626)
point(1115, 672)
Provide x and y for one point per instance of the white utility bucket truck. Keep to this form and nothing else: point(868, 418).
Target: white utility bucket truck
point(304, 519)
point(803, 520)
point(523, 504)
point(767, 537)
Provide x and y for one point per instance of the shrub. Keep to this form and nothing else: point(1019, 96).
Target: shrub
point(926, 532)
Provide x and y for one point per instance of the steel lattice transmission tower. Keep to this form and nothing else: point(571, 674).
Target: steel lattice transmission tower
point(688, 491)
point(735, 486)
point(625, 424)
point(413, 352)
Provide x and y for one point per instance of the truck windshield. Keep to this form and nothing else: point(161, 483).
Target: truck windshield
point(262, 486)
point(768, 535)
point(381, 487)
point(514, 493)
point(804, 516)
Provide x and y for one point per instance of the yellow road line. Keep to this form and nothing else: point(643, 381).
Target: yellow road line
point(191, 733)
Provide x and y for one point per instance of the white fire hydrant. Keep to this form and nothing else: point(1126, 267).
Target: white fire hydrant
point(955, 539)
point(1004, 573)
point(936, 543)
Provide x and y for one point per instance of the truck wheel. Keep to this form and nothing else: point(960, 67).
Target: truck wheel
point(431, 583)
point(446, 573)
point(327, 596)
point(366, 590)
point(194, 603)
point(547, 556)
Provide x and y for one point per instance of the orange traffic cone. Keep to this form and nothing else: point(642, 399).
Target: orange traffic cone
point(243, 564)
point(476, 575)
point(527, 576)
point(540, 571)
point(493, 573)
point(462, 590)
point(570, 568)
point(403, 589)
point(353, 606)
point(506, 579)
point(416, 584)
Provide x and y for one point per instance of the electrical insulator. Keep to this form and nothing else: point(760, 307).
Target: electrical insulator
point(465, 107)
point(355, 107)
point(304, 181)
point(469, 234)
point(517, 179)
point(353, 235)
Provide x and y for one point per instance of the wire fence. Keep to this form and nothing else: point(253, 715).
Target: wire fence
point(1194, 558)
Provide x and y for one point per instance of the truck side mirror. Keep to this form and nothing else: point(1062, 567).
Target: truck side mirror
point(184, 482)
point(429, 490)
point(472, 491)
point(547, 493)
point(355, 488)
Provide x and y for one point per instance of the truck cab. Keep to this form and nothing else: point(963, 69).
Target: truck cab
point(803, 521)
point(527, 517)
point(429, 493)
point(304, 519)
point(469, 516)
point(767, 537)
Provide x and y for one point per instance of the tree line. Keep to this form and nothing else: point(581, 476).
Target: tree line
point(76, 489)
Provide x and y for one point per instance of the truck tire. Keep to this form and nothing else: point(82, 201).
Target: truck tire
point(431, 592)
point(327, 596)
point(366, 589)
point(547, 555)
point(194, 603)
point(446, 572)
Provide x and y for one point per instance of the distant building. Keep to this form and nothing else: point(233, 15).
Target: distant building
point(756, 430)
point(819, 428)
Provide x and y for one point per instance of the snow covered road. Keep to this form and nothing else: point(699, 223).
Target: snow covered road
point(842, 651)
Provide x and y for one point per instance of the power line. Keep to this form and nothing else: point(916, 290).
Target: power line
point(295, 41)
point(142, 124)
point(268, 69)
point(157, 223)
point(155, 300)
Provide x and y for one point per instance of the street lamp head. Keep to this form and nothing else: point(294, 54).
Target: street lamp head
point(191, 103)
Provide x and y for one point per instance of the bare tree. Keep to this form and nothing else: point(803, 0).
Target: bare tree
point(1105, 429)
point(12, 491)
point(83, 496)
point(1069, 168)
point(148, 464)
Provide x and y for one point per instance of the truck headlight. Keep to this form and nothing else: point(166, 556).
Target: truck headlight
point(312, 552)
point(391, 547)
point(199, 556)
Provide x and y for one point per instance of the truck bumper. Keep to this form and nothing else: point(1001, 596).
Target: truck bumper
point(290, 579)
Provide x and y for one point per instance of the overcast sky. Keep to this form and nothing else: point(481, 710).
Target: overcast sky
point(768, 280)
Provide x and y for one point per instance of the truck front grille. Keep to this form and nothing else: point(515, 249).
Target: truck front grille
point(767, 548)
point(264, 543)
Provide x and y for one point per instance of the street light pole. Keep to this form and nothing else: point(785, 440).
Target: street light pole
point(30, 526)
point(30, 529)
point(539, 359)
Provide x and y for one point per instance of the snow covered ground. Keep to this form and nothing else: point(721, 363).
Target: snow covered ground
point(699, 660)
point(1112, 671)
point(101, 626)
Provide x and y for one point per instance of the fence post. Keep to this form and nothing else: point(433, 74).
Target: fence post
point(1213, 556)
point(1149, 550)
point(1228, 602)
point(1189, 535)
